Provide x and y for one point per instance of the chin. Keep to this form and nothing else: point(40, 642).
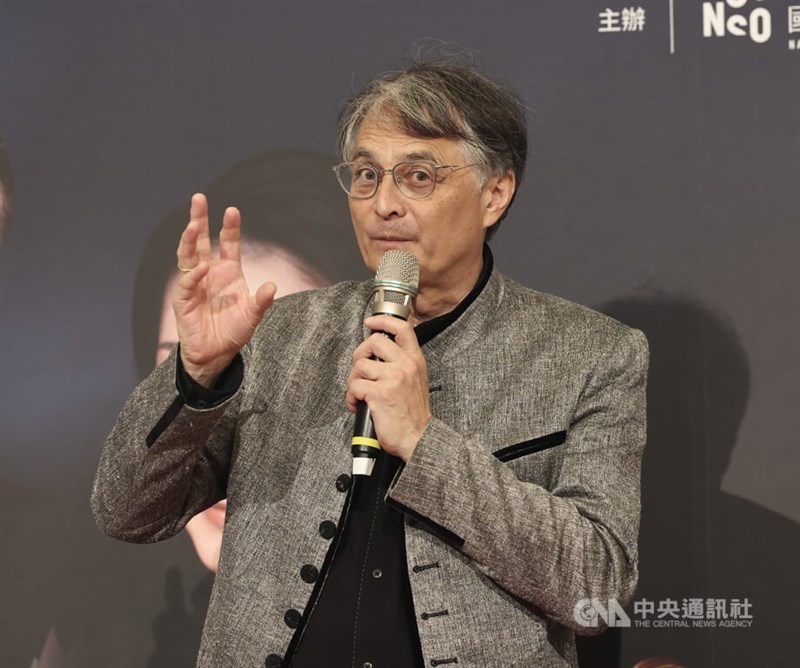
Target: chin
point(383, 245)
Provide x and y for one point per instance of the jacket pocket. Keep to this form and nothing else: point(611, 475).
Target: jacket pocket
point(510, 452)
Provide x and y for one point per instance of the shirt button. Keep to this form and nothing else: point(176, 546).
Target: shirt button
point(343, 482)
point(377, 573)
point(292, 618)
point(273, 661)
point(309, 573)
point(367, 664)
point(327, 529)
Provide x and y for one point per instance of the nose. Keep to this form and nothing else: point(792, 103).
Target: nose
point(389, 201)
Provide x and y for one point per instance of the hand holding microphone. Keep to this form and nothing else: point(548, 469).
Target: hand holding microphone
point(388, 385)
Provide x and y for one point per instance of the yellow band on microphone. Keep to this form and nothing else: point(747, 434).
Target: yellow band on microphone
point(363, 440)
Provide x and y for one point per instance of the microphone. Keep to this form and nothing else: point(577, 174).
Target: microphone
point(394, 288)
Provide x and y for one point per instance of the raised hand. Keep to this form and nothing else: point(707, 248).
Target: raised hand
point(215, 313)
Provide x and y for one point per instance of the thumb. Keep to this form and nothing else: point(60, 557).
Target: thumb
point(263, 299)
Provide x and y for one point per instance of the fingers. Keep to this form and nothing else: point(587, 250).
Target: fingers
point(231, 234)
point(407, 371)
point(393, 368)
point(356, 392)
point(198, 217)
point(263, 299)
point(195, 244)
point(187, 248)
point(400, 330)
point(363, 381)
point(189, 244)
point(361, 384)
point(397, 395)
point(378, 346)
point(190, 280)
point(403, 349)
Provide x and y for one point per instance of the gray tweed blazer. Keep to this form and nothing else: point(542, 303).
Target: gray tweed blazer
point(524, 489)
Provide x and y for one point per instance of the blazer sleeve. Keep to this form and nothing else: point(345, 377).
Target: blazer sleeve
point(163, 462)
point(550, 548)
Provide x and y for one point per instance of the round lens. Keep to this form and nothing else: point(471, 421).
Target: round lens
point(361, 179)
point(416, 179)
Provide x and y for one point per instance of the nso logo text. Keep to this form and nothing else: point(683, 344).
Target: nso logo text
point(592, 612)
point(737, 18)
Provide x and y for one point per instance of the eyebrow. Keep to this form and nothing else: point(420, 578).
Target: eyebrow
point(413, 155)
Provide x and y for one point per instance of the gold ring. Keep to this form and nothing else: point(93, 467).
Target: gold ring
point(183, 269)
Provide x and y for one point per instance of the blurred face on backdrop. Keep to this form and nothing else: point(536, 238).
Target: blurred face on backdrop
point(260, 262)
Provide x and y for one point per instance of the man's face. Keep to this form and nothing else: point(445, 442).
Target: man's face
point(445, 230)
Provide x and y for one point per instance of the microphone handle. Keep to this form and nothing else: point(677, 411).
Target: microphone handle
point(364, 445)
point(365, 442)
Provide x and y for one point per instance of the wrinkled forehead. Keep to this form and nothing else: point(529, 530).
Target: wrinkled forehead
point(383, 136)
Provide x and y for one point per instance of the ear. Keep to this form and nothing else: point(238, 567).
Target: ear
point(496, 197)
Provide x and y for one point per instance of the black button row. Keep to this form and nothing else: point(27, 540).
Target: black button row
point(309, 573)
point(292, 618)
point(273, 661)
point(327, 529)
point(343, 482)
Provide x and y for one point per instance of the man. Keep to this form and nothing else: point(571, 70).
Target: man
point(512, 422)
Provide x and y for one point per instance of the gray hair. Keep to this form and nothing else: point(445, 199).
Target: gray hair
point(447, 100)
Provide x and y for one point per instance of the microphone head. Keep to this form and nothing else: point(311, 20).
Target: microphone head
point(399, 269)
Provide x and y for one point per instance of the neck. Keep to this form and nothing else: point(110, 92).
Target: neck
point(435, 300)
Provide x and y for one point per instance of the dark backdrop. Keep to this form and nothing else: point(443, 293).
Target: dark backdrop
point(662, 188)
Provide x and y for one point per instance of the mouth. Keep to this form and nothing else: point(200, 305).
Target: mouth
point(391, 239)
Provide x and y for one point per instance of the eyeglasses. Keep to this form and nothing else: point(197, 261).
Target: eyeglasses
point(415, 178)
